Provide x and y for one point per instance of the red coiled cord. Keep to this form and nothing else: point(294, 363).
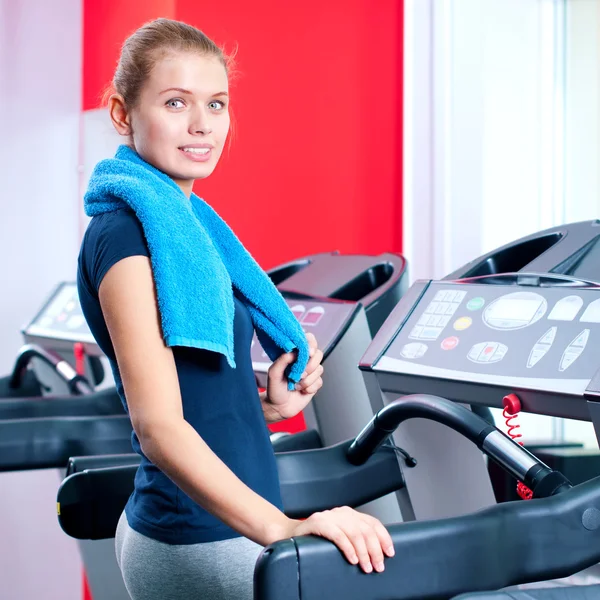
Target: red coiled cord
point(512, 407)
point(79, 353)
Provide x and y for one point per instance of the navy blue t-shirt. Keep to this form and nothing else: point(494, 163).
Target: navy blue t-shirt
point(221, 403)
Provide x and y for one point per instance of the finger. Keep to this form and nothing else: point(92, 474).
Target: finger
point(356, 537)
point(312, 344)
point(312, 340)
point(385, 539)
point(336, 535)
point(279, 366)
point(314, 388)
point(373, 546)
point(311, 378)
point(315, 361)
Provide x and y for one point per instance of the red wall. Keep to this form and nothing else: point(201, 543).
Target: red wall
point(316, 161)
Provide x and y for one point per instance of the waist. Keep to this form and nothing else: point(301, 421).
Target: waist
point(159, 509)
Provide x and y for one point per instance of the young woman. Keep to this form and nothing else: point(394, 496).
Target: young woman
point(206, 494)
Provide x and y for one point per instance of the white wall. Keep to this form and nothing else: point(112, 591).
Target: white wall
point(483, 127)
point(502, 133)
point(582, 156)
point(40, 103)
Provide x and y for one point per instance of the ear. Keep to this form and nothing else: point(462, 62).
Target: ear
point(119, 116)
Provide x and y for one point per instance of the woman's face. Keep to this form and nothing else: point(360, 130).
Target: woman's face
point(181, 120)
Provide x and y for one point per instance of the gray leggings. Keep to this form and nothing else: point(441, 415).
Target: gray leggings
point(153, 570)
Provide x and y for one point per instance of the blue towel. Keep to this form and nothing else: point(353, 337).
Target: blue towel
point(196, 259)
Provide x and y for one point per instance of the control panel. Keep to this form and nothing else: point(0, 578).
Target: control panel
point(538, 333)
point(326, 319)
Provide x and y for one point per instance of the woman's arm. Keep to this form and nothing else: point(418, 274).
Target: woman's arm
point(149, 375)
point(147, 368)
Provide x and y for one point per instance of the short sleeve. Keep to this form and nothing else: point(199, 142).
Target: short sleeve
point(111, 237)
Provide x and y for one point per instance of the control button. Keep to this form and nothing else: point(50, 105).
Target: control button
point(298, 310)
point(501, 350)
point(566, 309)
point(434, 320)
point(450, 343)
point(413, 350)
point(441, 309)
point(416, 332)
point(475, 303)
point(548, 337)
point(568, 358)
point(423, 320)
point(475, 351)
point(463, 323)
point(459, 296)
point(441, 295)
point(430, 333)
point(592, 313)
point(313, 316)
point(536, 354)
point(433, 306)
point(487, 352)
point(444, 321)
point(451, 309)
point(574, 350)
point(581, 339)
point(450, 295)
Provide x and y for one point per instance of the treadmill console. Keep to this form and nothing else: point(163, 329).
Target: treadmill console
point(327, 319)
point(531, 336)
point(60, 318)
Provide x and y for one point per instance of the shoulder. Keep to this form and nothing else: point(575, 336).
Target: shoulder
point(112, 225)
point(110, 237)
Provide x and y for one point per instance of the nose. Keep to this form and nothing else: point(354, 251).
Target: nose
point(200, 123)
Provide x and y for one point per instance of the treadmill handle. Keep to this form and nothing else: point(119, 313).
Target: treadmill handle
point(518, 461)
point(78, 384)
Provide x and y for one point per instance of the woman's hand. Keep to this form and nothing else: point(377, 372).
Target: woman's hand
point(362, 539)
point(280, 403)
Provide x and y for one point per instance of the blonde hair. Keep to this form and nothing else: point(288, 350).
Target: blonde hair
point(153, 40)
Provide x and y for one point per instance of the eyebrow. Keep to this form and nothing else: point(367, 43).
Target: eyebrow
point(182, 91)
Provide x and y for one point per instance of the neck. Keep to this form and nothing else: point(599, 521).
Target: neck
point(185, 185)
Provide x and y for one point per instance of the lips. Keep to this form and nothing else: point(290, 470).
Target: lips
point(197, 152)
point(197, 148)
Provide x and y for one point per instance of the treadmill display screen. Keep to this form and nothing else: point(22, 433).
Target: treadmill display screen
point(514, 311)
point(519, 310)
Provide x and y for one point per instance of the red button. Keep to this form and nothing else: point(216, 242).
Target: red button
point(450, 343)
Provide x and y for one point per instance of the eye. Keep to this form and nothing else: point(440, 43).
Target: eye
point(175, 103)
point(216, 105)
